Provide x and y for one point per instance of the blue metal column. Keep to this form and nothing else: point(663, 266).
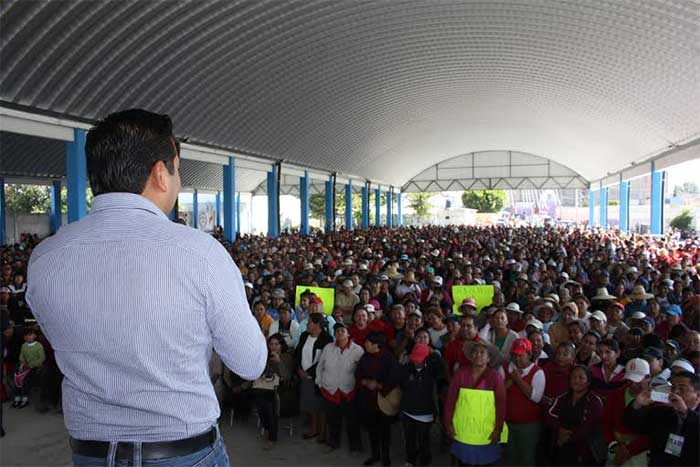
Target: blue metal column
point(348, 206)
point(304, 195)
point(238, 212)
point(195, 210)
point(603, 206)
point(378, 206)
point(218, 208)
point(229, 200)
point(365, 206)
point(657, 200)
point(171, 216)
point(591, 208)
point(55, 195)
point(76, 174)
point(399, 217)
point(389, 202)
point(624, 205)
point(329, 206)
point(2, 211)
point(272, 205)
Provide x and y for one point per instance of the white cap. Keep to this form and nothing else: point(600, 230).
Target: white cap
point(363, 267)
point(636, 370)
point(437, 280)
point(370, 308)
point(536, 323)
point(348, 283)
point(435, 252)
point(599, 315)
point(247, 284)
point(685, 364)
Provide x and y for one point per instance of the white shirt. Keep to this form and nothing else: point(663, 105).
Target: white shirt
point(336, 367)
point(307, 353)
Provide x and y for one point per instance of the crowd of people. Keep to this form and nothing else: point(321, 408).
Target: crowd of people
point(589, 352)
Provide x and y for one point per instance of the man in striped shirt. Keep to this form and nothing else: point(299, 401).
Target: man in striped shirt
point(133, 303)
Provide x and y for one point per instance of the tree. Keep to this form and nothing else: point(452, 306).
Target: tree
point(484, 200)
point(317, 206)
point(420, 204)
point(682, 221)
point(35, 199)
point(689, 188)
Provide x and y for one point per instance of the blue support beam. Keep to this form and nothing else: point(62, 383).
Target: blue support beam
point(218, 208)
point(238, 212)
point(348, 206)
point(195, 210)
point(657, 200)
point(2, 211)
point(272, 203)
point(76, 174)
point(171, 216)
point(603, 206)
point(329, 206)
point(389, 203)
point(624, 206)
point(591, 208)
point(304, 195)
point(56, 216)
point(365, 206)
point(399, 216)
point(378, 206)
point(229, 200)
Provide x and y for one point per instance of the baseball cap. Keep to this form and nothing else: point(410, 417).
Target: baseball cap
point(347, 283)
point(469, 302)
point(278, 293)
point(521, 346)
point(653, 352)
point(370, 308)
point(375, 304)
point(419, 353)
point(417, 313)
point(637, 315)
point(636, 370)
point(248, 285)
point(536, 323)
point(599, 315)
point(683, 363)
point(674, 310)
point(437, 280)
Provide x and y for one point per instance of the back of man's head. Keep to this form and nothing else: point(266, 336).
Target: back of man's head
point(122, 149)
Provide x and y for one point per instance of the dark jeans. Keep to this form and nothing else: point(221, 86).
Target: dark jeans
point(378, 426)
point(334, 417)
point(212, 456)
point(417, 436)
point(266, 404)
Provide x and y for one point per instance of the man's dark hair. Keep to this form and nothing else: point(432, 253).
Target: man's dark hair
point(612, 344)
point(122, 149)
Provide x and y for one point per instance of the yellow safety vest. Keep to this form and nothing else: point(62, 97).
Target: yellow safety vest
point(475, 417)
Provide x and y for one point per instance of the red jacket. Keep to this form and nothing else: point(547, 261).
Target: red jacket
point(612, 423)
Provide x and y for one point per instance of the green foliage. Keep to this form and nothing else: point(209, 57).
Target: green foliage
point(484, 200)
point(35, 199)
point(317, 206)
point(420, 204)
point(682, 221)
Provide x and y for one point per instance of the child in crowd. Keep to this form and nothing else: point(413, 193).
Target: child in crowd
point(31, 359)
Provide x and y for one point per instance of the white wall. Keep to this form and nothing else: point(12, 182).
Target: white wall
point(17, 224)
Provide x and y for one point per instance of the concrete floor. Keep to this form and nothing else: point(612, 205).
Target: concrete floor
point(34, 439)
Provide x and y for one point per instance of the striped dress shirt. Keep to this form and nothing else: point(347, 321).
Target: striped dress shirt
point(132, 304)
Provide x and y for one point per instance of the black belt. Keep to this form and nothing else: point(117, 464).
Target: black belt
point(150, 451)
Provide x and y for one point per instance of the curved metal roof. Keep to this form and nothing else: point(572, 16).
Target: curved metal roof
point(378, 89)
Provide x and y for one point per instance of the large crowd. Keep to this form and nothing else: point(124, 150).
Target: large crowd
point(588, 354)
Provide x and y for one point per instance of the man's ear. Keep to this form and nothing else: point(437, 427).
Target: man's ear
point(159, 176)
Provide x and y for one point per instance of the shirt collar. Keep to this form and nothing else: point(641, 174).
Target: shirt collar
point(124, 201)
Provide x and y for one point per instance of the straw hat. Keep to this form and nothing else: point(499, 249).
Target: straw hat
point(603, 294)
point(638, 293)
point(410, 277)
point(393, 272)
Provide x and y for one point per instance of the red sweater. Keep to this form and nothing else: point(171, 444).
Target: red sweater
point(612, 423)
point(520, 408)
point(557, 379)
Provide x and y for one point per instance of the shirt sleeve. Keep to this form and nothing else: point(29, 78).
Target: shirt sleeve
point(538, 384)
point(236, 336)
